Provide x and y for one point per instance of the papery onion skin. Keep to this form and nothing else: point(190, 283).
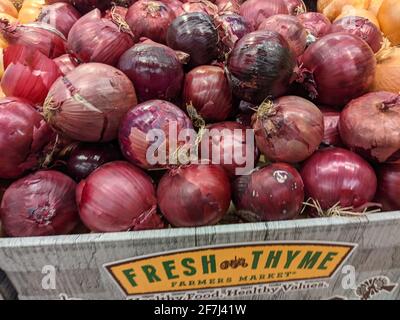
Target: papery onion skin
point(195, 34)
point(273, 192)
point(121, 11)
point(137, 123)
point(66, 63)
point(331, 127)
point(230, 142)
point(362, 28)
point(38, 35)
point(150, 19)
point(315, 23)
point(206, 88)
point(290, 130)
point(228, 6)
point(260, 65)
point(96, 39)
point(370, 126)
point(295, 7)
point(86, 158)
point(389, 20)
point(387, 71)
point(342, 68)
point(154, 69)
point(231, 28)
point(118, 197)
point(61, 16)
point(388, 193)
point(337, 176)
point(194, 195)
point(204, 6)
point(89, 102)
point(29, 74)
point(41, 204)
point(256, 11)
point(290, 28)
point(23, 135)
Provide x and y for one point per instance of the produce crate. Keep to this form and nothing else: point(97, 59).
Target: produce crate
point(324, 258)
point(7, 291)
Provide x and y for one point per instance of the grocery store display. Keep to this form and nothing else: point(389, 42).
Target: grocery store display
point(154, 114)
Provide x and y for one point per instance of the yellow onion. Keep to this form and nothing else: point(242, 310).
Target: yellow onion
point(332, 8)
point(8, 7)
point(30, 10)
point(387, 70)
point(389, 19)
point(375, 6)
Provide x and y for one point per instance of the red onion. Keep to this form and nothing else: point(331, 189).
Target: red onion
point(61, 16)
point(228, 145)
point(28, 73)
point(204, 6)
point(96, 39)
point(289, 129)
point(150, 19)
point(194, 195)
point(66, 63)
point(88, 103)
point(260, 65)
point(295, 7)
point(86, 158)
point(195, 34)
point(290, 28)
point(228, 6)
point(155, 70)
point(315, 23)
point(41, 204)
point(337, 177)
point(244, 119)
point(23, 135)
point(370, 125)
point(121, 11)
point(84, 6)
point(362, 28)
point(273, 192)
point(206, 88)
point(256, 11)
point(338, 67)
point(231, 27)
point(175, 5)
point(331, 127)
point(388, 193)
point(118, 197)
point(40, 36)
point(138, 124)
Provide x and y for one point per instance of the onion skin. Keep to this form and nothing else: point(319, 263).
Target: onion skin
point(118, 197)
point(122, 11)
point(336, 175)
point(342, 68)
point(388, 193)
point(194, 195)
point(86, 158)
point(387, 71)
point(331, 127)
point(66, 63)
point(228, 6)
point(61, 16)
point(96, 39)
point(370, 126)
point(295, 7)
point(29, 74)
point(362, 28)
point(256, 11)
point(38, 35)
point(150, 19)
point(290, 131)
point(149, 115)
point(93, 96)
point(154, 69)
point(206, 88)
point(24, 134)
point(175, 5)
point(315, 23)
point(41, 204)
point(290, 28)
point(204, 6)
point(273, 192)
point(229, 142)
point(195, 34)
point(260, 65)
point(389, 20)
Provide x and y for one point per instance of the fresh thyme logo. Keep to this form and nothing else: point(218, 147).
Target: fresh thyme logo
point(229, 266)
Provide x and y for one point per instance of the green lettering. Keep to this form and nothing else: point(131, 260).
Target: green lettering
point(186, 263)
point(256, 258)
point(273, 259)
point(309, 260)
point(150, 273)
point(243, 278)
point(202, 282)
point(328, 257)
point(169, 266)
point(209, 264)
point(130, 275)
point(290, 257)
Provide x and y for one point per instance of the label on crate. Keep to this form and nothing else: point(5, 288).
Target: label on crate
point(236, 265)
